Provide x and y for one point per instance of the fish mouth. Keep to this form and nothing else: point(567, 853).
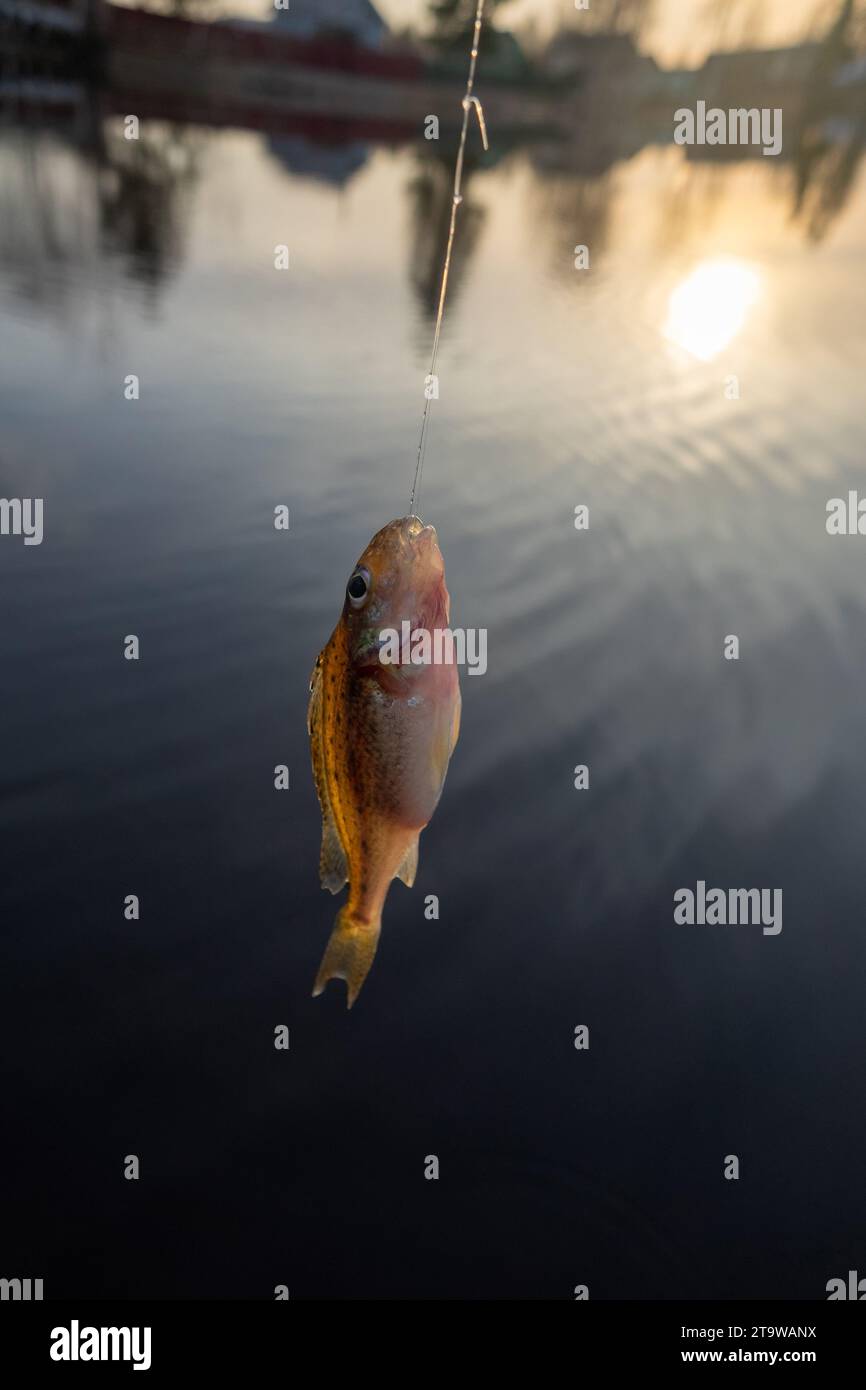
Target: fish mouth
point(418, 533)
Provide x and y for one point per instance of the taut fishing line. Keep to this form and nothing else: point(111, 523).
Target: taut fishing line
point(469, 101)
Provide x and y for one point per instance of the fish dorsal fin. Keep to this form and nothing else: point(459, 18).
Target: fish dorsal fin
point(409, 867)
point(333, 869)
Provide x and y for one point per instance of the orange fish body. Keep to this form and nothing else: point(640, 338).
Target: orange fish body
point(381, 736)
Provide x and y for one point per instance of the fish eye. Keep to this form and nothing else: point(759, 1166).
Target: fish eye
point(358, 588)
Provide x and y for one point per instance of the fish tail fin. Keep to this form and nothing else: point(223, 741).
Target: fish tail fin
point(348, 954)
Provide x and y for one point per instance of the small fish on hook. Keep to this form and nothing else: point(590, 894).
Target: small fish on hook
point(381, 737)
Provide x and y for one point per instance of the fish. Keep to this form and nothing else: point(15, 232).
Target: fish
point(382, 733)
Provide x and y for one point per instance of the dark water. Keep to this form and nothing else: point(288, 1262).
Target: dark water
point(707, 518)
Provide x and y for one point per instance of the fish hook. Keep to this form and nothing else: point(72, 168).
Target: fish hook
point(479, 111)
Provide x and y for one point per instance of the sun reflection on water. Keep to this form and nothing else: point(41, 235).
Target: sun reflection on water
point(709, 308)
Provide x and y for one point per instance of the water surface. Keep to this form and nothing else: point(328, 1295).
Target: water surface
point(609, 387)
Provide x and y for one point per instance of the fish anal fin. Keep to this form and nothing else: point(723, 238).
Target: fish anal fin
point(333, 869)
point(409, 866)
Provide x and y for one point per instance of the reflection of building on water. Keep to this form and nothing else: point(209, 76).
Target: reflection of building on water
point(594, 103)
point(333, 164)
point(598, 58)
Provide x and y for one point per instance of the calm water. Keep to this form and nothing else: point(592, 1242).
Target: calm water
point(608, 387)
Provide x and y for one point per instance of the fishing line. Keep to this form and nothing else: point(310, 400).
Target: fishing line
point(469, 101)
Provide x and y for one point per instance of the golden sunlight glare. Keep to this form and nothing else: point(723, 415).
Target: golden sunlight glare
point(709, 307)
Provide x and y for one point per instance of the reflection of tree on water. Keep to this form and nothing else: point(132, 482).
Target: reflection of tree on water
point(700, 198)
point(73, 211)
point(143, 188)
point(825, 176)
point(573, 211)
point(430, 193)
point(825, 166)
point(825, 131)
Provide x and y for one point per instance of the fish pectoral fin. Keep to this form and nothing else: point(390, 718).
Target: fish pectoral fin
point(455, 722)
point(313, 707)
point(443, 747)
point(333, 869)
point(409, 866)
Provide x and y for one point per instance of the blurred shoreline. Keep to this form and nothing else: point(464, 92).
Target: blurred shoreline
point(341, 85)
